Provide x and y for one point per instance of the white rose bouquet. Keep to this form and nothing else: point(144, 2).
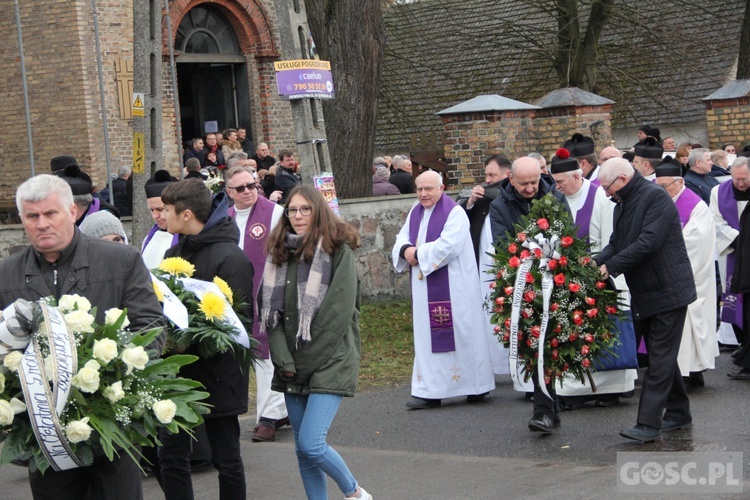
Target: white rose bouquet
point(80, 389)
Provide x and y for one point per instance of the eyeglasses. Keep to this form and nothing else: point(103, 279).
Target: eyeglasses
point(241, 189)
point(292, 212)
point(612, 183)
point(746, 180)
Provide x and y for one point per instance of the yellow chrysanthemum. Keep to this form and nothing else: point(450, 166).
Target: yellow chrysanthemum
point(212, 305)
point(157, 291)
point(225, 289)
point(177, 266)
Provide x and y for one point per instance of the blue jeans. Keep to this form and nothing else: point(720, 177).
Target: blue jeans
point(311, 416)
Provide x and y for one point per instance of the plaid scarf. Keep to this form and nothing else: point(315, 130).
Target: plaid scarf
point(312, 284)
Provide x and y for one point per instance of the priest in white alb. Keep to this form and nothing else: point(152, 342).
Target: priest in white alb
point(451, 358)
point(699, 346)
point(585, 198)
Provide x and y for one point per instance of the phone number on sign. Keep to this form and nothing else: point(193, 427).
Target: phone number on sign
point(309, 86)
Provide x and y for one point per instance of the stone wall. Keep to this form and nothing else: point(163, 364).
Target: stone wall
point(378, 220)
point(728, 121)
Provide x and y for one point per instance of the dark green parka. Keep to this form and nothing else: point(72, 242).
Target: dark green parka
point(331, 363)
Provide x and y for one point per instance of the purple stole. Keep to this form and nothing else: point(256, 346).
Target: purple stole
point(152, 232)
point(256, 234)
point(732, 310)
point(583, 217)
point(94, 207)
point(685, 205)
point(438, 284)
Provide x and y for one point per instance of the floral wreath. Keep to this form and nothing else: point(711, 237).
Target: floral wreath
point(574, 324)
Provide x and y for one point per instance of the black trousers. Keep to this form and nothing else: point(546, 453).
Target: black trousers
point(743, 357)
point(663, 393)
point(119, 479)
point(174, 460)
point(544, 405)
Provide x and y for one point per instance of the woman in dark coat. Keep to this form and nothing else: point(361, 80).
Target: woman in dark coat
point(313, 330)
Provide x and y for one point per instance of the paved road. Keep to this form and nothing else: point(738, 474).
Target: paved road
point(482, 451)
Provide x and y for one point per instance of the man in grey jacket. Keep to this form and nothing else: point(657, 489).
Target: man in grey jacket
point(61, 260)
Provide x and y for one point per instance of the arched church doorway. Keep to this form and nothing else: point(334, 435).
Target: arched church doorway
point(211, 74)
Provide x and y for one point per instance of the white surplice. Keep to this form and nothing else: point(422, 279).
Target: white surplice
point(153, 253)
point(699, 346)
point(611, 381)
point(468, 369)
point(725, 235)
point(499, 354)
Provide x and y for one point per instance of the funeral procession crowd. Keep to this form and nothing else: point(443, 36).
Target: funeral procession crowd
point(665, 229)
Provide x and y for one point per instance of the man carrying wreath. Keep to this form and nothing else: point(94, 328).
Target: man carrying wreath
point(647, 246)
point(209, 240)
point(524, 185)
point(62, 260)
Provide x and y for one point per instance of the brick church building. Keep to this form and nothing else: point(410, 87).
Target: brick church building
point(224, 54)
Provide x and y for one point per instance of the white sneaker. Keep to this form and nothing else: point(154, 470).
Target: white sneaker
point(364, 495)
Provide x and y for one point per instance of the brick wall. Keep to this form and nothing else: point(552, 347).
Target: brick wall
point(554, 126)
point(470, 138)
point(728, 121)
point(59, 95)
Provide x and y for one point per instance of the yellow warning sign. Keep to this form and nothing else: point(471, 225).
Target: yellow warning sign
point(139, 153)
point(138, 104)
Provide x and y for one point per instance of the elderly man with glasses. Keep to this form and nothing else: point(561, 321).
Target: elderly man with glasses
point(647, 246)
point(729, 205)
point(256, 217)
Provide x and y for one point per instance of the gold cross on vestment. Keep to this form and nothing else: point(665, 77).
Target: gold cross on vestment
point(441, 315)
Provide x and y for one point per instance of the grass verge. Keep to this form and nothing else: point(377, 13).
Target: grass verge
point(387, 344)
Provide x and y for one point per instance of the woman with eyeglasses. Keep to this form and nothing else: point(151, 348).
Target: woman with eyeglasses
point(309, 305)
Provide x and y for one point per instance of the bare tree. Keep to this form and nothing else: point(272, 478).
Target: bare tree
point(743, 64)
point(576, 61)
point(350, 34)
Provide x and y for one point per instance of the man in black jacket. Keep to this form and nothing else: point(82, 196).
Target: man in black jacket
point(648, 247)
point(209, 240)
point(61, 260)
point(524, 185)
point(477, 206)
point(402, 176)
point(286, 177)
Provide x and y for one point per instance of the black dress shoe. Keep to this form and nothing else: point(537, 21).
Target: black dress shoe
point(642, 433)
point(476, 398)
point(541, 423)
point(607, 403)
point(735, 353)
point(669, 425)
point(422, 403)
point(743, 374)
point(696, 380)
